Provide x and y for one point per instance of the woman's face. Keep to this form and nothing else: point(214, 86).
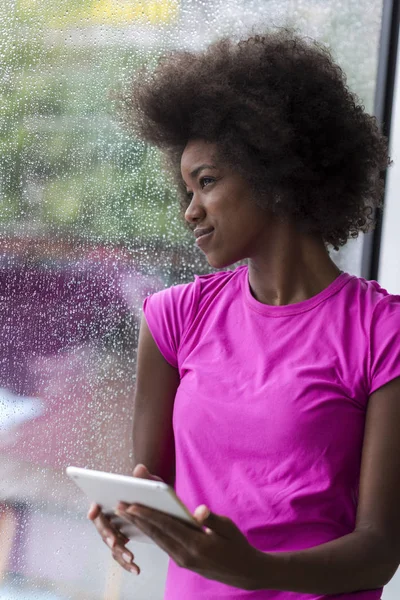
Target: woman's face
point(227, 223)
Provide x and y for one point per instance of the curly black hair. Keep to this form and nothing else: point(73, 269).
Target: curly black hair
point(281, 114)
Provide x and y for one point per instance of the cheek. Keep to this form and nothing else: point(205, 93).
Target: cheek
point(247, 224)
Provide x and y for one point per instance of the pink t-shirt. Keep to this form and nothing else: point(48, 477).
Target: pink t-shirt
point(269, 414)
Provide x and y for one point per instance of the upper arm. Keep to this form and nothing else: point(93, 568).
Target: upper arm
point(156, 385)
point(379, 491)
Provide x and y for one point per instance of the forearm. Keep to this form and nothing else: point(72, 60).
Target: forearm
point(357, 561)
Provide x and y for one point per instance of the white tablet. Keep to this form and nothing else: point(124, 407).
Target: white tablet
point(108, 489)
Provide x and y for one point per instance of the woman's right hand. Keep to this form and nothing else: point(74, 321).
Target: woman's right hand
point(111, 535)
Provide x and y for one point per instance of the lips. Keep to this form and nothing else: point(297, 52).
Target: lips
point(199, 232)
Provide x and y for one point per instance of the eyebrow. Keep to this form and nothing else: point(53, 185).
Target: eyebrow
point(198, 169)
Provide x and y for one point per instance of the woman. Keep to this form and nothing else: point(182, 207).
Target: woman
point(268, 394)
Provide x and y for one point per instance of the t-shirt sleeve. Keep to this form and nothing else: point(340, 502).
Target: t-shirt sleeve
point(385, 342)
point(168, 315)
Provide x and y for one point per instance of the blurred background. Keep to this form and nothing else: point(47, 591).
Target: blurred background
point(88, 227)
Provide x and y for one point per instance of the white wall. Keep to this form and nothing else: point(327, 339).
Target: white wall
point(389, 263)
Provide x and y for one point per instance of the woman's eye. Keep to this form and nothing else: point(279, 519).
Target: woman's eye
point(206, 181)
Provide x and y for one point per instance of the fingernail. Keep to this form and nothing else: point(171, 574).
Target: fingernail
point(110, 542)
point(133, 510)
point(134, 571)
point(202, 511)
point(126, 557)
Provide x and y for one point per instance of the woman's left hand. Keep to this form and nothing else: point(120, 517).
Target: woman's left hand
point(219, 551)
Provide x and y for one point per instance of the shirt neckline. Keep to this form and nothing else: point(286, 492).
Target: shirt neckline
point(298, 307)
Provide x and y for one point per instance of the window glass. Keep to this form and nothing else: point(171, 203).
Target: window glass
point(89, 227)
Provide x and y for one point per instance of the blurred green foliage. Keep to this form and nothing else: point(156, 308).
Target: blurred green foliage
point(67, 164)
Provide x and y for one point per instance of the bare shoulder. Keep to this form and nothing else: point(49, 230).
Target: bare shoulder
point(149, 355)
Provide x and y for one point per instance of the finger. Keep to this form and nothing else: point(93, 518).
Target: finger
point(94, 511)
point(125, 558)
point(115, 519)
point(114, 539)
point(201, 514)
point(221, 525)
point(142, 472)
point(111, 535)
point(117, 537)
point(174, 528)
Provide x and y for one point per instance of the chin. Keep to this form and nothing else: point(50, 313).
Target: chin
point(221, 262)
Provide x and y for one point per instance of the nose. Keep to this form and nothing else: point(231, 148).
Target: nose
point(195, 211)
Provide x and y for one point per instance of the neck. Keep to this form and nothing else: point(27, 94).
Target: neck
point(290, 267)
